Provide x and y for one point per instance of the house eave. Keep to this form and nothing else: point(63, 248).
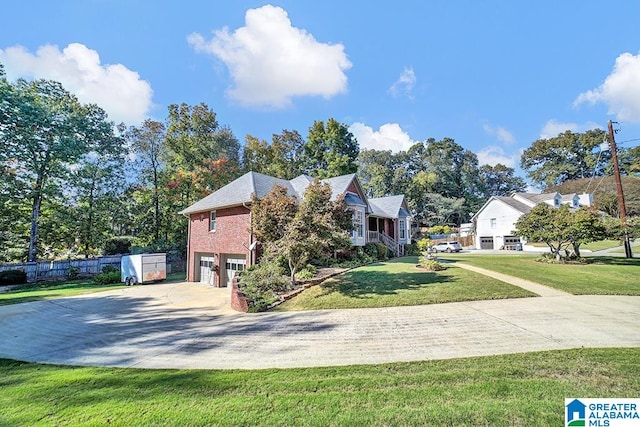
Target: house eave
point(213, 208)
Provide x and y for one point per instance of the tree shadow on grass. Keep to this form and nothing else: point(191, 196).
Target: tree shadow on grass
point(610, 260)
point(367, 284)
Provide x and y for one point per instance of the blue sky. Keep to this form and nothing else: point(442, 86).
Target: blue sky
point(493, 75)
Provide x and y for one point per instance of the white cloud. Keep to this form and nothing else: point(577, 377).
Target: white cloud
point(404, 85)
point(553, 128)
point(494, 154)
point(270, 61)
point(389, 136)
point(499, 132)
point(119, 91)
point(620, 90)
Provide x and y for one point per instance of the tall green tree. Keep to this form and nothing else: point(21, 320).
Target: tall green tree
point(287, 158)
point(194, 135)
point(566, 157)
point(148, 144)
point(45, 131)
point(95, 196)
point(281, 158)
point(376, 171)
point(500, 180)
point(256, 155)
point(331, 150)
point(445, 168)
point(202, 155)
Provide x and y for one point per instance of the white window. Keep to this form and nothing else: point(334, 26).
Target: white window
point(358, 223)
point(493, 223)
point(402, 225)
point(212, 221)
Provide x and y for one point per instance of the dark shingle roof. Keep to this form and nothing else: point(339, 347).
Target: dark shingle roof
point(519, 206)
point(536, 198)
point(388, 207)
point(339, 184)
point(239, 191)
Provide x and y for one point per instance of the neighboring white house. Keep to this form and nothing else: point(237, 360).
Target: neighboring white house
point(495, 222)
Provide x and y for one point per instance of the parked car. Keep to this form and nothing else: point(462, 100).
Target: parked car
point(447, 247)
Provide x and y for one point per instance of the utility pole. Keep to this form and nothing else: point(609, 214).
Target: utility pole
point(621, 206)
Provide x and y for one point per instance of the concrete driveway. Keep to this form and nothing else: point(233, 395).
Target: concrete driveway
point(189, 325)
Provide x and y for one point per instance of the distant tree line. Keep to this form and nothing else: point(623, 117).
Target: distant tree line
point(72, 180)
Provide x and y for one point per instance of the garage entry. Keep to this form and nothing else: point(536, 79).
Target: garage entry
point(232, 264)
point(206, 265)
point(512, 243)
point(486, 242)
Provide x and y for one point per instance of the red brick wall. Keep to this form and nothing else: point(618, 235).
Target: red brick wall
point(232, 229)
point(238, 301)
point(352, 188)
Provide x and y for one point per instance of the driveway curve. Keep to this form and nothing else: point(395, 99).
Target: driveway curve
point(188, 325)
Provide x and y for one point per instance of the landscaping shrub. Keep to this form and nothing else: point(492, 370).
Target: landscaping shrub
point(262, 284)
point(423, 244)
point(308, 272)
point(371, 249)
point(571, 258)
point(107, 278)
point(13, 277)
point(382, 252)
point(411, 249)
point(73, 273)
point(354, 257)
point(376, 251)
point(110, 269)
point(440, 229)
point(431, 264)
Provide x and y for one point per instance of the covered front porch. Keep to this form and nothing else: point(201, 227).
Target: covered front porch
point(383, 230)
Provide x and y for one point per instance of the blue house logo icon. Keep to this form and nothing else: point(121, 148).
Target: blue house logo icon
point(576, 413)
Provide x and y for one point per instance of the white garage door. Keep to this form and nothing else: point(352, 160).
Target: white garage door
point(234, 263)
point(206, 270)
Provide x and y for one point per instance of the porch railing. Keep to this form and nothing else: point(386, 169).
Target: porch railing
point(379, 237)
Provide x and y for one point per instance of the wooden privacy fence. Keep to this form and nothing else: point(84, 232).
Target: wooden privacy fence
point(59, 269)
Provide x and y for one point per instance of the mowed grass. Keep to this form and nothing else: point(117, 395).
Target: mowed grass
point(50, 290)
point(509, 390)
point(601, 245)
point(397, 283)
point(605, 276)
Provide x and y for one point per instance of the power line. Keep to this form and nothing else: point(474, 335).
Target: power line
point(629, 140)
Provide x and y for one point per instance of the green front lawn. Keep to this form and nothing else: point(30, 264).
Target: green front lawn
point(50, 290)
point(398, 282)
point(593, 246)
point(511, 390)
point(601, 245)
point(605, 276)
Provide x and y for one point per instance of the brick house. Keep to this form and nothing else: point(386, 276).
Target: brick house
point(220, 241)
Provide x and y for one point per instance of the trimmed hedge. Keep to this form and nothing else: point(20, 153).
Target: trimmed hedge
point(107, 278)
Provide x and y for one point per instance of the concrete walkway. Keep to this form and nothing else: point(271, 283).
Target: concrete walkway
point(536, 288)
point(189, 325)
